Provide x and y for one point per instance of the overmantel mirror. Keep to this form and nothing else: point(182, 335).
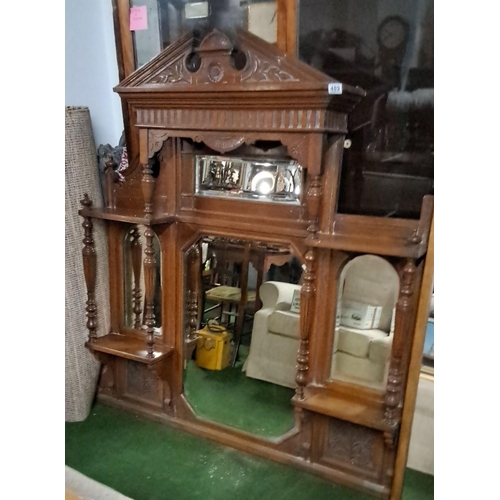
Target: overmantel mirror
point(229, 329)
point(169, 20)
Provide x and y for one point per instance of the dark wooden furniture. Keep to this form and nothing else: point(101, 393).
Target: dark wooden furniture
point(344, 432)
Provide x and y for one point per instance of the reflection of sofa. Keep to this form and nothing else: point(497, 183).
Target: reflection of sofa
point(362, 353)
point(275, 336)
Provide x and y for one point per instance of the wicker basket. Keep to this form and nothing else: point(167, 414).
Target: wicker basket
point(82, 369)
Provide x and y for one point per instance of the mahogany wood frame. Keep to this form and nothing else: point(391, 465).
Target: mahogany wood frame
point(275, 98)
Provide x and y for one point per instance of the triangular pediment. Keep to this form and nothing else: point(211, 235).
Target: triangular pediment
point(222, 62)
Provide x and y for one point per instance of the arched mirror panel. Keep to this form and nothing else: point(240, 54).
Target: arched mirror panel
point(364, 325)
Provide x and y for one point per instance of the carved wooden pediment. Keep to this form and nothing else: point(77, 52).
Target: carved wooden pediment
point(228, 63)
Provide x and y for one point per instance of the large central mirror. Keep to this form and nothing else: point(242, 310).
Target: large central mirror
point(244, 296)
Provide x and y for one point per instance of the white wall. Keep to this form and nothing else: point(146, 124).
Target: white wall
point(91, 67)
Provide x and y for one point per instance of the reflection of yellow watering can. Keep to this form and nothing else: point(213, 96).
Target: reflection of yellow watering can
point(213, 347)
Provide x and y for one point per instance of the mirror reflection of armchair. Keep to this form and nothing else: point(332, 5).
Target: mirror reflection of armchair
point(275, 336)
point(361, 354)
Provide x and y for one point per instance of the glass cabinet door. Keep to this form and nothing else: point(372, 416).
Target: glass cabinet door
point(387, 48)
point(168, 20)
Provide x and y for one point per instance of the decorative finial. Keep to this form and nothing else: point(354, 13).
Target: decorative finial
point(86, 202)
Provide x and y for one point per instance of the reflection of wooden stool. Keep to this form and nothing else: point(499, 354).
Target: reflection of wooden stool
point(228, 287)
point(231, 299)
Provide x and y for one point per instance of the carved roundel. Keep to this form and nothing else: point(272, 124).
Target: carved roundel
point(221, 144)
point(215, 72)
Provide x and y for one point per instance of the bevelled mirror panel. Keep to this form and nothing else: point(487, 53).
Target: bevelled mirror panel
point(258, 179)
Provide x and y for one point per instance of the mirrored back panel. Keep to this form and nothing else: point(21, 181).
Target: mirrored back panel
point(257, 179)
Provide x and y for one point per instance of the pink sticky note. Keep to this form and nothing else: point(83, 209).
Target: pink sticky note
point(138, 18)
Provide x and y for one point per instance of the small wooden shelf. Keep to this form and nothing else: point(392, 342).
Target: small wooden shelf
point(128, 347)
point(123, 215)
point(358, 412)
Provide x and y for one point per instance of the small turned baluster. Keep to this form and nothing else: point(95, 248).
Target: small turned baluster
point(148, 184)
point(136, 251)
point(89, 269)
point(313, 201)
point(149, 285)
point(192, 301)
point(394, 389)
point(194, 277)
point(193, 315)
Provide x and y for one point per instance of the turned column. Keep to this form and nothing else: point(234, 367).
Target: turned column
point(149, 289)
point(308, 287)
point(403, 323)
point(89, 269)
point(148, 181)
point(193, 270)
point(136, 253)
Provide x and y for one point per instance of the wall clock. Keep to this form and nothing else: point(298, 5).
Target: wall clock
point(392, 34)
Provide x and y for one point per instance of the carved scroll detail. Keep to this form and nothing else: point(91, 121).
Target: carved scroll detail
point(149, 285)
point(136, 251)
point(394, 390)
point(260, 70)
point(174, 73)
point(89, 268)
point(297, 146)
point(156, 138)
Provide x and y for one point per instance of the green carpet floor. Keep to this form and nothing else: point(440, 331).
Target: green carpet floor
point(149, 461)
point(229, 397)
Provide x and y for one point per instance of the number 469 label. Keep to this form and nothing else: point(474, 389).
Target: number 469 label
point(335, 88)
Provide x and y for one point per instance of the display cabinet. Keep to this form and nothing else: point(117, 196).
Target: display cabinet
point(240, 159)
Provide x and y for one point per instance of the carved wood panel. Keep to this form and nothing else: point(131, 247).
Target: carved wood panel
point(356, 449)
point(351, 443)
point(142, 384)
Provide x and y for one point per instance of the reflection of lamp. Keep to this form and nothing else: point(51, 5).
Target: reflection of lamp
point(263, 182)
point(264, 188)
